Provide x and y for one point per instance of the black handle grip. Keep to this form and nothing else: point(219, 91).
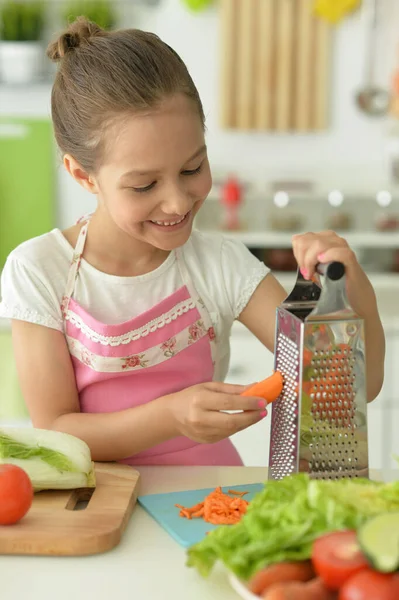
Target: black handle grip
point(333, 270)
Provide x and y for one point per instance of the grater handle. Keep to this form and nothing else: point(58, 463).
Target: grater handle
point(316, 298)
point(332, 299)
point(333, 270)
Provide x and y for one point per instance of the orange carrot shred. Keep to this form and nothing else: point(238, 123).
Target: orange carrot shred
point(218, 508)
point(237, 493)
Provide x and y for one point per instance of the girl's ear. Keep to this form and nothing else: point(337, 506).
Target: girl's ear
point(84, 179)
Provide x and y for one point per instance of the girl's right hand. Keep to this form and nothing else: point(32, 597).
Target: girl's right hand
point(197, 411)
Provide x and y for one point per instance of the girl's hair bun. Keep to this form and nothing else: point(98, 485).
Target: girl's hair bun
point(78, 33)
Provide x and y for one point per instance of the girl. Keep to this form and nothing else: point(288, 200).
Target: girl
point(121, 323)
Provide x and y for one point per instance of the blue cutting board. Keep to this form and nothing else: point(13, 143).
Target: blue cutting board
point(187, 531)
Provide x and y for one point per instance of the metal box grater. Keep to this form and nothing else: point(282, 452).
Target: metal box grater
point(319, 423)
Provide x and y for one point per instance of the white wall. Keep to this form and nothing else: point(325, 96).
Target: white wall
point(352, 154)
point(354, 141)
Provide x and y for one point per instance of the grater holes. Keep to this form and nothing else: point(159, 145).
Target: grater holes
point(332, 396)
point(283, 441)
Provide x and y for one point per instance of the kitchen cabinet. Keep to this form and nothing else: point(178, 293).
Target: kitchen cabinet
point(250, 362)
point(386, 407)
point(27, 188)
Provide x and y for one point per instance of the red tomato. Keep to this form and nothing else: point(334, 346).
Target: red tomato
point(16, 494)
point(371, 585)
point(336, 557)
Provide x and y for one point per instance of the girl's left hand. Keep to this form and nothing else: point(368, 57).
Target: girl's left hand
point(326, 246)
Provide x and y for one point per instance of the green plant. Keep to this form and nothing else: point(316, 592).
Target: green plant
point(197, 5)
point(22, 21)
point(98, 11)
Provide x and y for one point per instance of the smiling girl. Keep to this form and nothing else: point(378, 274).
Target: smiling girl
point(121, 323)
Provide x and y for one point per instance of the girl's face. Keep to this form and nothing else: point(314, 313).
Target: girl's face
point(156, 176)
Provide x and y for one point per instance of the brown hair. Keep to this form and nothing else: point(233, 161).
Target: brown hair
point(105, 75)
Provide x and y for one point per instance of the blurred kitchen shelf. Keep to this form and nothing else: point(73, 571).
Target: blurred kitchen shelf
point(260, 191)
point(273, 239)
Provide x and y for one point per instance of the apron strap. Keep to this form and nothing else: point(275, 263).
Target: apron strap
point(75, 264)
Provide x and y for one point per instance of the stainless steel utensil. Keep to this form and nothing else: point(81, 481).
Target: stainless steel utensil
point(372, 99)
point(319, 423)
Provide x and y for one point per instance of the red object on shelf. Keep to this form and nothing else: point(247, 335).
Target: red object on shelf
point(232, 191)
point(231, 199)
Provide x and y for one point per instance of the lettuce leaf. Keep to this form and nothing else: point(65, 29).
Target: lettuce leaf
point(11, 448)
point(285, 518)
point(52, 459)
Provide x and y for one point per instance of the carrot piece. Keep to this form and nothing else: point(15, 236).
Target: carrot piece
point(280, 573)
point(311, 590)
point(197, 507)
point(269, 389)
point(316, 590)
point(237, 493)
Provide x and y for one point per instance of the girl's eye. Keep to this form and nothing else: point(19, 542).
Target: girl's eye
point(147, 188)
point(192, 172)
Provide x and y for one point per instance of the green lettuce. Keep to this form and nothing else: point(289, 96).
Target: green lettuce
point(52, 459)
point(285, 518)
point(11, 448)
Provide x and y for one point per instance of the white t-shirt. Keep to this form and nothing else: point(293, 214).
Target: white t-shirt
point(224, 273)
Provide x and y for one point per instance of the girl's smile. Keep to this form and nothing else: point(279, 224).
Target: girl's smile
point(172, 225)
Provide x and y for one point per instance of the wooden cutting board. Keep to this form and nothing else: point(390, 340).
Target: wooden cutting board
point(76, 522)
point(276, 60)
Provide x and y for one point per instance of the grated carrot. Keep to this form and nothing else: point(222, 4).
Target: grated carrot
point(217, 508)
point(237, 493)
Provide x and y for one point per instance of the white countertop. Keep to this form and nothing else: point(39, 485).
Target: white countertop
point(148, 563)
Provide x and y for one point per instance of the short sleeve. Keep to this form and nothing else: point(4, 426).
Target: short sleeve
point(26, 296)
point(242, 273)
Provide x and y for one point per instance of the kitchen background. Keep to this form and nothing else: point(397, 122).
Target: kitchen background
point(301, 99)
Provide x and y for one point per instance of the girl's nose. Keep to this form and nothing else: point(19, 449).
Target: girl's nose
point(177, 202)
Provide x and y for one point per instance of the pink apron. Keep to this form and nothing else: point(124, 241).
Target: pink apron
point(169, 347)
